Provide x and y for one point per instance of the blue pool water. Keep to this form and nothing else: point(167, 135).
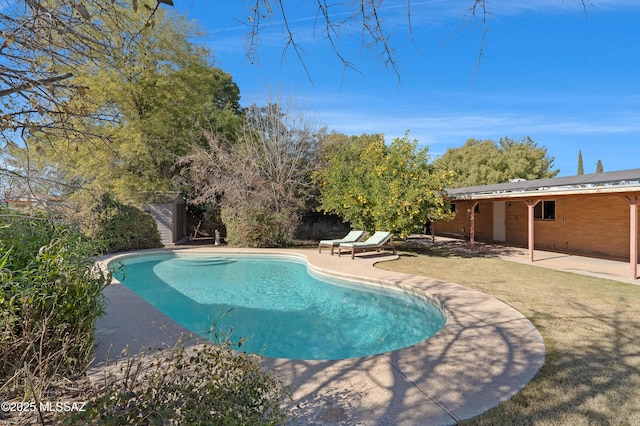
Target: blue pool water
point(278, 307)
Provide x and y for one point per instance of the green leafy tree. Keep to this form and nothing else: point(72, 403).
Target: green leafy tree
point(46, 45)
point(485, 162)
point(141, 106)
point(375, 186)
point(580, 163)
point(160, 92)
point(599, 167)
point(43, 40)
point(475, 163)
point(525, 160)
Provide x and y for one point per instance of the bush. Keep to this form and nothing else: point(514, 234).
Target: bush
point(121, 227)
point(258, 227)
point(51, 296)
point(208, 384)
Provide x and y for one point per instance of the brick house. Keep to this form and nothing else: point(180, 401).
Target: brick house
point(589, 215)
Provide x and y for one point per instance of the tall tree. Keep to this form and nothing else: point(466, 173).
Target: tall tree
point(155, 95)
point(485, 162)
point(599, 167)
point(43, 43)
point(378, 187)
point(580, 163)
point(261, 182)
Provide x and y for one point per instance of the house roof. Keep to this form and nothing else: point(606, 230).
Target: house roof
point(617, 181)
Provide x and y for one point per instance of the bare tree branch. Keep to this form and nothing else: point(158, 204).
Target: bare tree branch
point(368, 15)
point(331, 32)
point(260, 9)
point(478, 11)
point(42, 42)
point(292, 43)
point(269, 166)
point(32, 84)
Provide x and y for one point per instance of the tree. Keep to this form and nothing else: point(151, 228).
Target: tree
point(43, 42)
point(163, 93)
point(580, 164)
point(156, 95)
point(262, 182)
point(484, 162)
point(375, 187)
point(45, 46)
point(524, 159)
point(599, 168)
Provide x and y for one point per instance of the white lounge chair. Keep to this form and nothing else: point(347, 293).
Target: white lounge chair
point(373, 243)
point(351, 237)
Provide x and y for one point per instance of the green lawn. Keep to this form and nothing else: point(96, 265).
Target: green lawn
point(590, 326)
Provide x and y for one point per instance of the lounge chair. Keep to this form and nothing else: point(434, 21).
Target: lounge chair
point(351, 237)
point(373, 243)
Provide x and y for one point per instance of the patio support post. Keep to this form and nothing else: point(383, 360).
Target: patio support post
point(633, 234)
point(472, 230)
point(530, 221)
point(433, 232)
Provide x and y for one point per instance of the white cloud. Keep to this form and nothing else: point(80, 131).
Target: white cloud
point(444, 128)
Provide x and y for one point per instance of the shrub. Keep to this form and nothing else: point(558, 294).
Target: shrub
point(258, 227)
point(206, 384)
point(51, 296)
point(121, 227)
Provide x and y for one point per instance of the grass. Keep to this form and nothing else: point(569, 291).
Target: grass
point(590, 326)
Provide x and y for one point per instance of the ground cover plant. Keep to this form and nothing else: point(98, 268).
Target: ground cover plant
point(187, 384)
point(590, 328)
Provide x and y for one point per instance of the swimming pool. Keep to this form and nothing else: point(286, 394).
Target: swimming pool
point(280, 307)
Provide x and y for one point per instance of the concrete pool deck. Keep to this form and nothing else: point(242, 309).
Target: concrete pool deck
point(486, 352)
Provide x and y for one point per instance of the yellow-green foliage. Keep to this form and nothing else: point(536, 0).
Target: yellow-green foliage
point(374, 186)
point(141, 107)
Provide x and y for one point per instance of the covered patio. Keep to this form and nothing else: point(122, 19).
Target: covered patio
point(581, 215)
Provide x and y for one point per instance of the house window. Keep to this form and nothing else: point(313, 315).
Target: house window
point(545, 210)
point(453, 207)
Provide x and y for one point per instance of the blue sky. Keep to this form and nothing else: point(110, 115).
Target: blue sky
point(568, 79)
